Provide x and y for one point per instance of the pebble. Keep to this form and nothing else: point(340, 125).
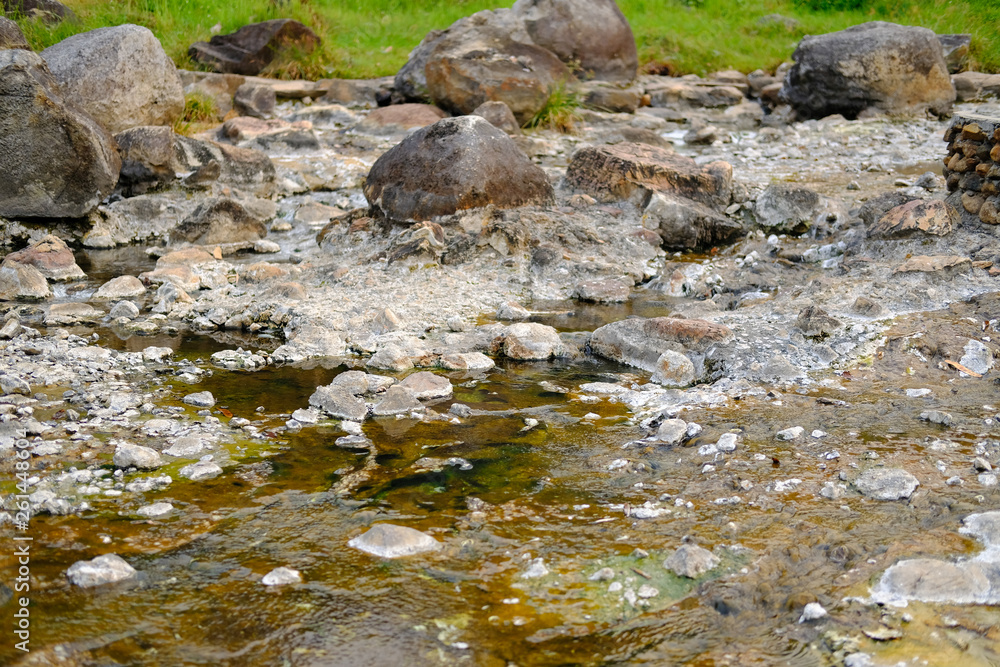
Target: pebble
point(672, 431)
point(813, 611)
point(937, 417)
point(128, 455)
point(793, 433)
point(727, 442)
point(886, 483)
point(536, 570)
point(691, 561)
point(604, 574)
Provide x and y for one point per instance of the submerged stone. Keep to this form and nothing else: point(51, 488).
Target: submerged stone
point(691, 561)
point(387, 540)
point(886, 483)
point(106, 569)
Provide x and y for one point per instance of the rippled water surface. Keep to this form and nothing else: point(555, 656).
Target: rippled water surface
point(563, 492)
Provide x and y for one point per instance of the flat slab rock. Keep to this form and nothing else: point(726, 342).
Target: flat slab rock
point(886, 483)
point(933, 217)
point(973, 581)
point(616, 172)
point(946, 264)
point(387, 540)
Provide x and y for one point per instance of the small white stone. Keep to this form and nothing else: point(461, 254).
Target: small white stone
point(811, 612)
point(793, 433)
point(280, 576)
point(155, 510)
point(727, 442)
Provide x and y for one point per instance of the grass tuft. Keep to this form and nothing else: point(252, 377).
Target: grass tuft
point(559, 112)
point(199, 111)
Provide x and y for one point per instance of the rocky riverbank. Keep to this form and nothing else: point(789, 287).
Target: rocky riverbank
point(691, 320)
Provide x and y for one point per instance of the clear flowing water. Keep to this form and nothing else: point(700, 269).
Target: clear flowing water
point(564, 491)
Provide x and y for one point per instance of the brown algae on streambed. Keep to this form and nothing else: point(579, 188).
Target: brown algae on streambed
point(524, 528)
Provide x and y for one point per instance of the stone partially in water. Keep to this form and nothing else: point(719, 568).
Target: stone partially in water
point(128, 455)
point(22, 283)
point(106, 569)
point(122, 287)
point(529, 341)
point(387, 540)
point(453, 165)
point(978, 357)
point(673, 369)
point(466, 361)
point(155, 510)
point(51, 256)
point(672, 431)
point(200, 470)
point(975, 581)
point(640, 342)
point(339, 403)
point(397, 400)
point(691, 561)
point(200, 399)
point(886, 483)
point(282, 576)
point(426, 386)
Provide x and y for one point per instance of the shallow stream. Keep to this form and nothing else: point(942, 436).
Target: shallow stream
point(528, 513)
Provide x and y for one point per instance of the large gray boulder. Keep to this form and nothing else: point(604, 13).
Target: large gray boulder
point(592, 34)
point(892, 68)
point(56, 161)
point(120, 75)
point(485, 28)
point(452, 165)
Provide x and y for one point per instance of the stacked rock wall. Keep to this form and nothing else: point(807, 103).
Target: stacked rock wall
point(972, 167)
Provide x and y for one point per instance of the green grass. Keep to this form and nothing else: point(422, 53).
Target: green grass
point(368, 38)
point(559, 112)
